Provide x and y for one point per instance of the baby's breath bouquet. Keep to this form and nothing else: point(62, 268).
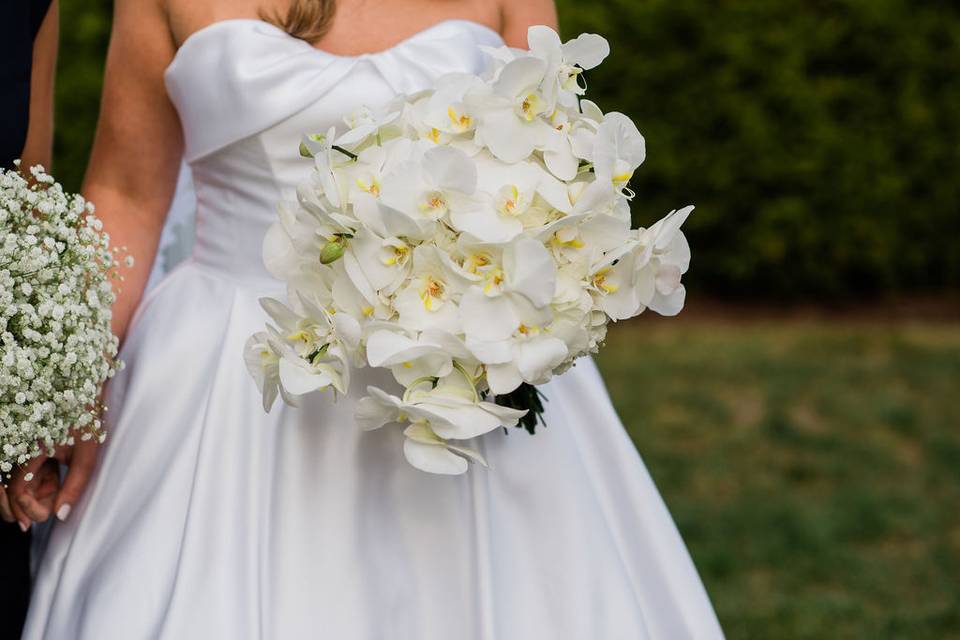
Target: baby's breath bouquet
point(56, 345)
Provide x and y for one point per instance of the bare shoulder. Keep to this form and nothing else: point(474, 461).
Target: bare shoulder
point(520, 15)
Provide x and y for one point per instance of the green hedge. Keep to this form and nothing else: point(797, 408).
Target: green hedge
point(820, 139)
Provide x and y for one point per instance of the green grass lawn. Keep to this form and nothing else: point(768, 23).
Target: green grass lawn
point(812, 467)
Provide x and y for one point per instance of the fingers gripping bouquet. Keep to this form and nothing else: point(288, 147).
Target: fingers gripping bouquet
point(473, 239)
point(56, 345)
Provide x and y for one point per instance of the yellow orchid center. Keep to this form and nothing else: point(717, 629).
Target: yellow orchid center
point(600, 281)
point(567, 238)
point(461, 122)
point(476, 262)
point(510, 201)
point(434, 204)
point(431, 293)
point(494, 281)
point(395, 254)
point(300, 336)
point(373, 187)
point(433, 135)
point(532, 106)
point(570, 77)
point(528, 330)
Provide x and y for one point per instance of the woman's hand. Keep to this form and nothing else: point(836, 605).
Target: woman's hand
point(43, 495)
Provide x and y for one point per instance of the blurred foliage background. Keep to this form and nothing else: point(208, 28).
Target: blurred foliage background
point(812, 461)
point(820, 139)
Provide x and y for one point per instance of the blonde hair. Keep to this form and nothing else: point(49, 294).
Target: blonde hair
point(305, 19)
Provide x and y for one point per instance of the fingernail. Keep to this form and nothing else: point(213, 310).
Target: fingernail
point(63, 512)
point(23, 527)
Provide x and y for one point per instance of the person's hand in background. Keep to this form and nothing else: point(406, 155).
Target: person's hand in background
point(35, 492)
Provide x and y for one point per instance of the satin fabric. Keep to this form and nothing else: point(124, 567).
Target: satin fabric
point(209, 519)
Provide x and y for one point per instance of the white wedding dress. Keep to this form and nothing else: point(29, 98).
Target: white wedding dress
point(208, 518)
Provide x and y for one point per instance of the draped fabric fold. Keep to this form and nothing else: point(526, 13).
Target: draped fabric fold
point(236, 78)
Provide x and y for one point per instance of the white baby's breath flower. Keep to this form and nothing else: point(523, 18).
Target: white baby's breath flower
point(56, 345)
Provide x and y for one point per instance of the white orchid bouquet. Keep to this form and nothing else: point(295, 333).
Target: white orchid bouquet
point(56, 345)
point(475, 240)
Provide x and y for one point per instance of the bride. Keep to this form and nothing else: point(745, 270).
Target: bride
point(207, 518)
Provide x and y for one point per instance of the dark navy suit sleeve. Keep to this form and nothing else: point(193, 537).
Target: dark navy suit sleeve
point(22, 20)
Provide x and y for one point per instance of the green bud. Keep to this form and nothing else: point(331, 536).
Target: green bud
point(332, 251)
point(313, 137)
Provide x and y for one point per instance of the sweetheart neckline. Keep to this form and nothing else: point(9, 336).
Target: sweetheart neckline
point(220, 24)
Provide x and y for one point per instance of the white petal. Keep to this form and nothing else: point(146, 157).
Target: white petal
point(459, 422)
point(668, 279)
point(561, 161)
point(299, 379)
point(507, 137)
point(434, 458)
point(544, 42)
point(508, 417)
point(279, 255)
point(450, 168)
point(669, 305)
point(519, 75)
point(279, 313)
point(531, 271)
point(537, 358)
point(371, 413)
point(503, 378)
point(487, 319)
point(485, 225)
point(588, 50)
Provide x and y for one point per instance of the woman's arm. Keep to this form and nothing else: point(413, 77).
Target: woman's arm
point(520, 15)
point(131, 179)
point(39, 144)
point(138, 146)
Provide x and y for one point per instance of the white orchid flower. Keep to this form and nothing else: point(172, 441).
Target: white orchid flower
point(327, 159)
point(300, 234)
point(261, 354)
point(511, 112)
point(664, 259)
point(427, 189)
point(618, 150)
point(584, 238)
point(385, 262)
point(354, 295)
point(439, 411)
point(566, 62)
point(364, 175)
point(313, 355)
point(429, 298)
point(443, 116)
point(530, 354)
point(366, 122)
point(409, 358)
point(613, 283)
point(508, 192)
point(582, 131)
point(503, 318)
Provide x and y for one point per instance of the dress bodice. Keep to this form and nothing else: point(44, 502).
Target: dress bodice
point(246, 92)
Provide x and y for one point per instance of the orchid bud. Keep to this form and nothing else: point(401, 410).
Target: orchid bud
point(332, 251)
